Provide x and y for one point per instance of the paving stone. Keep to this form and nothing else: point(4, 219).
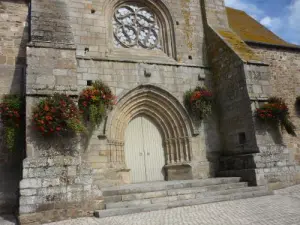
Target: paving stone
point(268, 210)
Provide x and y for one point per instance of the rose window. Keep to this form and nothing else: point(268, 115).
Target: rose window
point(136, 27)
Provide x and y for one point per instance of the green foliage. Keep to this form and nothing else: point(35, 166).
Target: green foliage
point(198, 102)
point(95, 101)
point(75, 125)
point(10, 137)
point(276, 111)
point(10, 110)
point(56, 115)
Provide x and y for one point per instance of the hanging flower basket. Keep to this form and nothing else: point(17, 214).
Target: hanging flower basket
point(95, 101)
point(198, 102)
point(57, 115)
point(276, 111)
point(10, 110)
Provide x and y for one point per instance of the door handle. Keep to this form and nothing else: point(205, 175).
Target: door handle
point(141, 154)
point(148, 153)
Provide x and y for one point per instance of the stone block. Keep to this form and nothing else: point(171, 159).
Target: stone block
point(28, 192)
point(30, 200)
point(72, 170)
point(24, 209)
point(74, 188)
point(71, 161)
point(30, 183)
point(50, 182)
point(66, 80)
point(60, 72)
point(52, 190)
point(35, 162)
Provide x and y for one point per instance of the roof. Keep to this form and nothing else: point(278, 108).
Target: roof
point(251, 30)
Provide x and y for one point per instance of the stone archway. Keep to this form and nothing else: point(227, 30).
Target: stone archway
point(165, 110)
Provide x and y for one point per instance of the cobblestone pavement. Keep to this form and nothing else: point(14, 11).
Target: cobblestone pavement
point(283, 208)
point(280, 209)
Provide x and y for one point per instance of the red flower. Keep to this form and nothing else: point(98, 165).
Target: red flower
point(48, 118)
point(46, 108)
point(58, 128)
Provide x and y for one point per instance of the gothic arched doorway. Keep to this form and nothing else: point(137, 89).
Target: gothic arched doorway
point(175, 128)
point(144, 153)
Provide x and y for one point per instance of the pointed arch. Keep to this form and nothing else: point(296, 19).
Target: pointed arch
point(165, 110)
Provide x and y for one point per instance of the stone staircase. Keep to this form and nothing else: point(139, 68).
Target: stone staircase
point(145, 197)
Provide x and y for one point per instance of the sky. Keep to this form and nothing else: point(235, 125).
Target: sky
point(280, 16)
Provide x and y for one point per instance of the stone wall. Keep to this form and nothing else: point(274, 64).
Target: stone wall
point(13, 39)
point(234, 106)
point(14, 36)
point(285, 81)
point(243, 80)
point(92, 28)
point(71, 47)
point(57, 183)
point(57, 188)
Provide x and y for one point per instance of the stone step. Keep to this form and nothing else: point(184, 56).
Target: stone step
point(165, 185)
point(180, 203)
point(174, 198)
point(173, 192)
point(8, 219)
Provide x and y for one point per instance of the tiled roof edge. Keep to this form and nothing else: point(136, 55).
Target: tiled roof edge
point(291, 47)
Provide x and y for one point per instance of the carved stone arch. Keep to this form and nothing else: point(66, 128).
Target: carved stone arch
point(165, 110)
point(159, 8)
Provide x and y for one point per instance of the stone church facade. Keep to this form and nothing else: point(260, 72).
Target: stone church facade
point(149, 53)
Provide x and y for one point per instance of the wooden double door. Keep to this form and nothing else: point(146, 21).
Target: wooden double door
point(144, 153)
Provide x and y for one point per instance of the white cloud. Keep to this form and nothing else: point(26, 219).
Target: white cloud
point(272, 23)
point(252, 9)
point(294, 16)
point(285, 25)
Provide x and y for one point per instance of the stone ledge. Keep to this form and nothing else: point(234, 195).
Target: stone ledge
point(64, 46)
point(151, 62)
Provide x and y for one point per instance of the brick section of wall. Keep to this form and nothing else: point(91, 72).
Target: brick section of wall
point(215, 13)
point(51, 70)
point(92, 31)
point(53, 66)
point(57, 188)
point(123, 77)
point(14, 37)
point(285, 81)
point(240, 87)
point(13, 40)
point(233, 99)
point(50, 22)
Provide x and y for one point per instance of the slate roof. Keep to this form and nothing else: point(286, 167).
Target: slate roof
point(252, 31)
